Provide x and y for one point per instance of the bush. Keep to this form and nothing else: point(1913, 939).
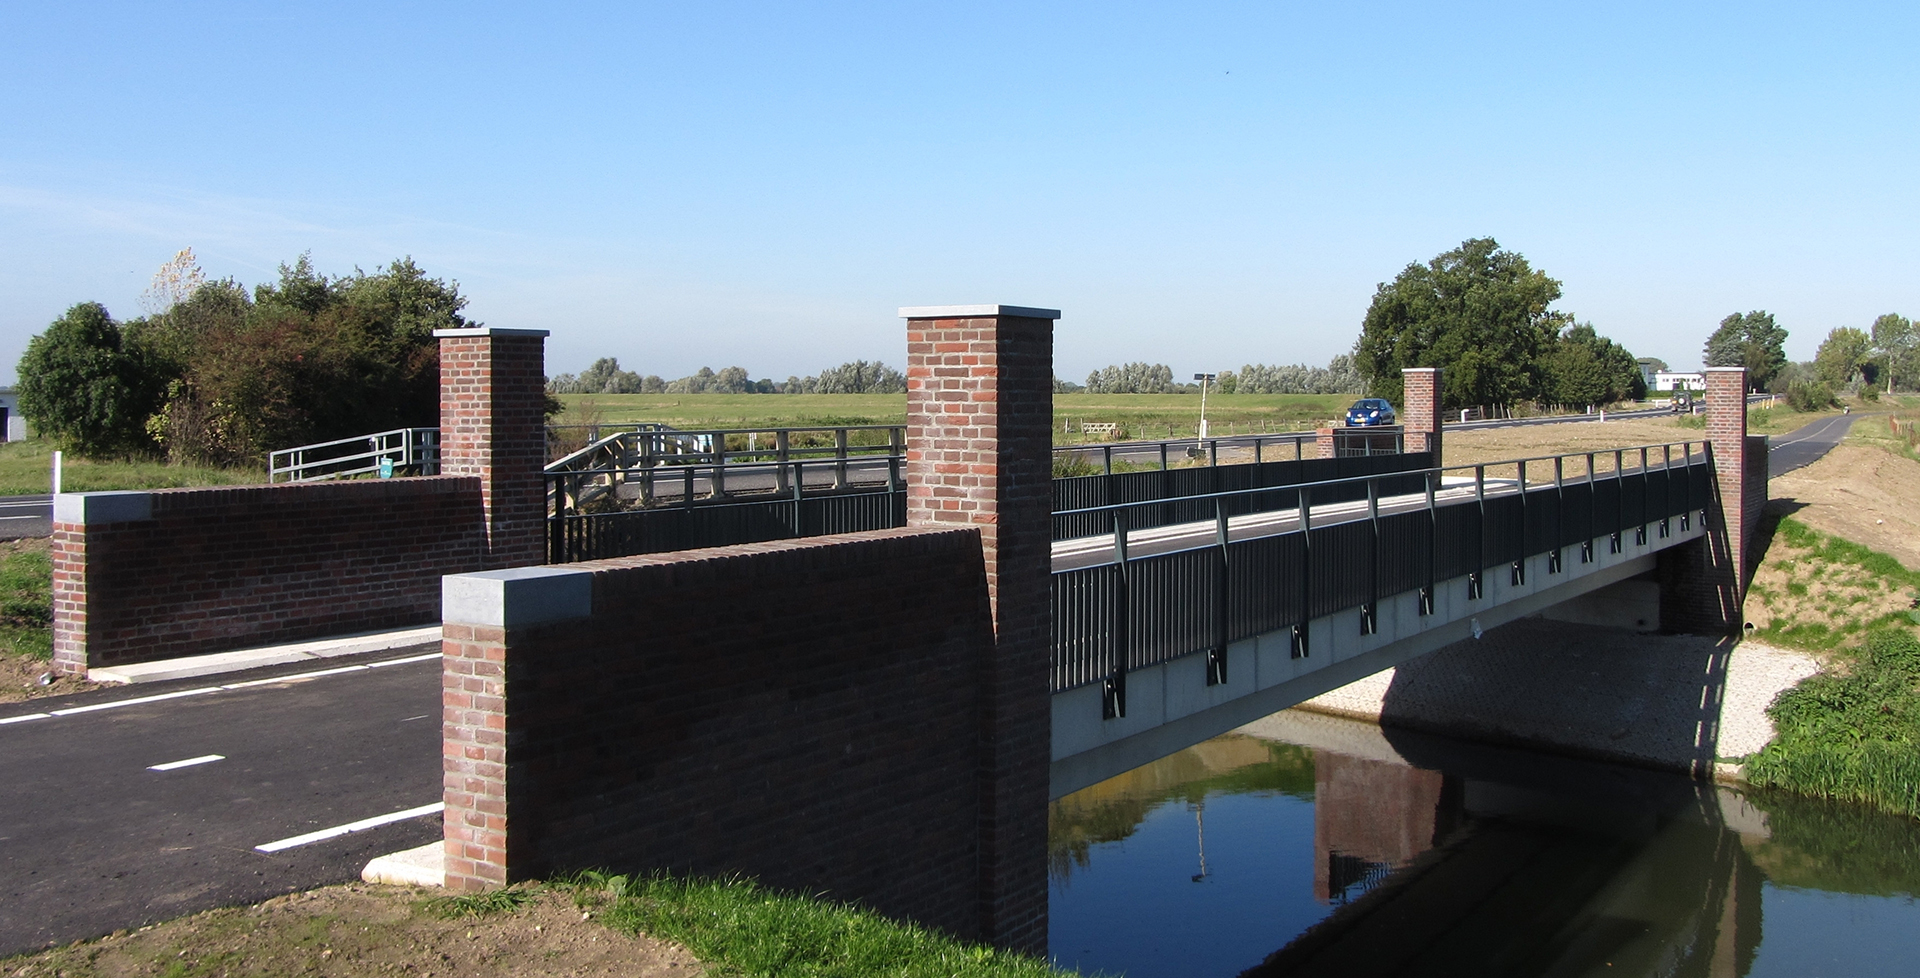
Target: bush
point(1807, 396)
point(83, 385)
point(1853, 736)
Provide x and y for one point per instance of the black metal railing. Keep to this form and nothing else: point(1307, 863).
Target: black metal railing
point(1350, 542)
point(1079, 501)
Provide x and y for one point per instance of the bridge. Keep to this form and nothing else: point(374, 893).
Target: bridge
point(1168, 636)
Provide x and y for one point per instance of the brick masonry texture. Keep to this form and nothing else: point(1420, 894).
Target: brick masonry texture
point(234, 567)
point(493, 427)
point(1420, 412)
point(1703, 583)
point(802, 711)
point(979, 439)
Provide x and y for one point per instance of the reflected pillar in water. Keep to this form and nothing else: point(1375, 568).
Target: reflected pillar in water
point(1369, 818)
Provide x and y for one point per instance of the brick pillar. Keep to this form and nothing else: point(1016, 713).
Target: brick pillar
point(979, 439)
point(1420, 410)
point(493, 396)
point(1323, 443)
point(1702, 584)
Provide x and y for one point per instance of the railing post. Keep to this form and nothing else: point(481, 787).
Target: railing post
point(1217, 656)
point(1559, 512)
point(780, 444)
point(1593, 512)
point(1301, 646)
point(1666, 491)
point(1113, 699)
point(1480, 533)
point(1369, 612)
point(799, 518)
point(840, 458)
point(1519, 571)
point(1619, 499)
point(1433, 542)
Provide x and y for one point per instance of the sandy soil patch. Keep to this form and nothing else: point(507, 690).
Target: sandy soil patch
point(1861, 494)
point(1496, 444)
point(361, 929)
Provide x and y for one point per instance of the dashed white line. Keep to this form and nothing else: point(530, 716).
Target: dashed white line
point(26, 716)
point(340, 830)
point(189, 762)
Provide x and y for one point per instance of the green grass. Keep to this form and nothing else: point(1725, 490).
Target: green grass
point(26, 604)
point(1851, 735)
point(480, 904)
point(1829, 617)
point(1141, 415)
point(26, 469)
point(738, 928)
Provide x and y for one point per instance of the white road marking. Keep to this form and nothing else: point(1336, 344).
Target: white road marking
point(136, 701)
point(189, 762)
point(340, 830)
point(23, 517)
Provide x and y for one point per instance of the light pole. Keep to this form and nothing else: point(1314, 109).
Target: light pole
point(1204, 380)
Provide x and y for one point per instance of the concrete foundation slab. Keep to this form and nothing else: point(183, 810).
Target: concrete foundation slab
point(270, 655)
point(425, 866)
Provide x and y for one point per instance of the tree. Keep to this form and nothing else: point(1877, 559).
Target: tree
point(1584, 368)
point(1844, 354)
point(82, 384)
point(1751, 340)
point(1897, 344)
point(1131, 378)
point(173, 283)
point(1337, 377)
point(1477, 311)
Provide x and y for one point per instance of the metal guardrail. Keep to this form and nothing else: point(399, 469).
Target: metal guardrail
point(402, 451)
point(654, 491)
point(1132, 612)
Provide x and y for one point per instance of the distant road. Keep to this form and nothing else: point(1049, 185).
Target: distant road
point(25, 516)
point(1805, 445)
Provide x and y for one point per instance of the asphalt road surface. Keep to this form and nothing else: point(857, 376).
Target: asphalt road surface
point(93, 839)
point(1805, 445)
point(25, 516)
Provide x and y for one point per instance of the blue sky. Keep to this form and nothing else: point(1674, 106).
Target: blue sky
point(1198, 184)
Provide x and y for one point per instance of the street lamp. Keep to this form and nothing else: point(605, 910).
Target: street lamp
point(1204, 380)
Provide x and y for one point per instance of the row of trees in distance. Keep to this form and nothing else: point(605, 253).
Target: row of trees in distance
point(216, 373)
point(1338, 377)
point(852, 377)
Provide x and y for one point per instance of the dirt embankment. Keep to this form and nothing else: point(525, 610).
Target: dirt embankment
point(1859, 493)
point(357, 930)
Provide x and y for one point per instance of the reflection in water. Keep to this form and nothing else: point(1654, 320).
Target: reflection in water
point(1331, 847)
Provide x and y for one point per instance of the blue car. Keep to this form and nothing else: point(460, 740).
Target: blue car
point(1370, 411)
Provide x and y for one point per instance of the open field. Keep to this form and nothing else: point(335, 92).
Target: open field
point(26, 469)
point(1142, 415)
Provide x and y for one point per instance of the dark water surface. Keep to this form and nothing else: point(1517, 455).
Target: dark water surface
point(1308, 845)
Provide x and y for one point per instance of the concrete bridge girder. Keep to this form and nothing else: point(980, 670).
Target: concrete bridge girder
point(1170, 706)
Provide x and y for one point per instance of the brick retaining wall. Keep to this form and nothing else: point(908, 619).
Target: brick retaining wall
point(142, 576)
point(807, 712)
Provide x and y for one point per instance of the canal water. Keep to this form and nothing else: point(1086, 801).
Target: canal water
point(1310, 845)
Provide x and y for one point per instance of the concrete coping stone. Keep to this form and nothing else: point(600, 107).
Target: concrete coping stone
point(270, 655)
point(516, 596)
point(491, 331)
point(424, 866)
point(95, 508)
point(976, 312)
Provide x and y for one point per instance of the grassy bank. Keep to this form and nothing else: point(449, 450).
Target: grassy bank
point(26, 469)
point(740, 928)
point(1852, 733)
point(1818, 592)
point(595, 924)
